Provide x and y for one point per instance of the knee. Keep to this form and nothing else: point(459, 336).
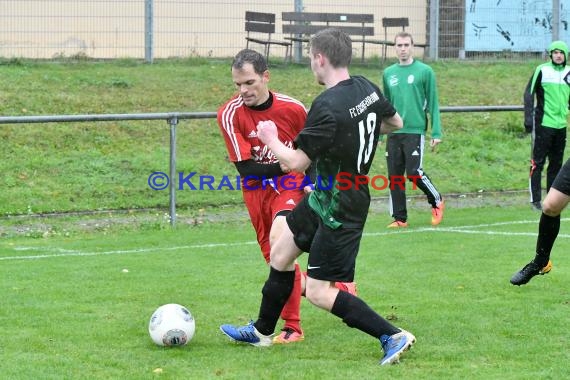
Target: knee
point(282, 259)
point(314, 296)
point(551, 208)
point(277, 261)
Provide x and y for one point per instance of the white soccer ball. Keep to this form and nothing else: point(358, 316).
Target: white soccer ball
point(171, 325)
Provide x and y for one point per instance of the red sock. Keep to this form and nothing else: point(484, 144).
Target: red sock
point(341, 286)
point(291, 312)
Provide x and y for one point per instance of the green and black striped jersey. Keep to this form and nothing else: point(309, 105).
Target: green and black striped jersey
point(340, 137)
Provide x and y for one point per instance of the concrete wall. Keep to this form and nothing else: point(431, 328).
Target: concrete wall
point(115, 28)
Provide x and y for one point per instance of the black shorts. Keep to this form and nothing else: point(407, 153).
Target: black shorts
point(562, 180)
point(332, 252)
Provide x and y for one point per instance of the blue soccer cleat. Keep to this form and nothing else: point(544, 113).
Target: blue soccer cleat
point(529, 271)
point(246, 334)
point(395, 345)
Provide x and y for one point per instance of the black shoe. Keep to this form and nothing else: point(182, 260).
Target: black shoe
point(529, 271)
point(536, 206)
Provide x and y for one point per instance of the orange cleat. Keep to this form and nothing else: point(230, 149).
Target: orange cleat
point(437, 214)
point(288, 335)
point(398, 224)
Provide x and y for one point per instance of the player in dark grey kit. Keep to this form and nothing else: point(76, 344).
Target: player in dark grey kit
point(340, 137)
point(555, 202)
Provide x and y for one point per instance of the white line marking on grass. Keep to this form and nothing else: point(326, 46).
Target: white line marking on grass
point(66, 253)
point(501, 224)
point(61, 252)
point(468, 229)
point(53, 249)
point(479, 232)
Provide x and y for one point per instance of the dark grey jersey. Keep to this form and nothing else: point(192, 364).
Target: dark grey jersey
point(340, 136)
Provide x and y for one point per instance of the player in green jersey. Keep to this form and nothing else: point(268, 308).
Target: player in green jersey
point(410, 86)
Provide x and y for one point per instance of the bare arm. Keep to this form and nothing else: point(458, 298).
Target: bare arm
point(293, 159)
point(391, 124)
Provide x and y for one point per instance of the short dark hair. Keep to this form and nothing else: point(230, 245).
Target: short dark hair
point(250, 56)
point(334, 44)
point(404, 35)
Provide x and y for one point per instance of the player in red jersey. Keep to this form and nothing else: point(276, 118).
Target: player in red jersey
point(267, 194)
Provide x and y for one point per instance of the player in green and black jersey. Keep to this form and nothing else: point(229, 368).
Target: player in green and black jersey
point(546, 120)
point(340, 136)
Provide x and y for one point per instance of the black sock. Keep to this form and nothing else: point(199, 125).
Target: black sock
point(276, 292)
point(356, 313)
point(548, 229)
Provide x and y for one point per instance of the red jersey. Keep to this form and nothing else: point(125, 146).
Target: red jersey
point(238, 124)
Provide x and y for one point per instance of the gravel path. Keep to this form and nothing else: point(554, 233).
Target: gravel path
point(67, 224)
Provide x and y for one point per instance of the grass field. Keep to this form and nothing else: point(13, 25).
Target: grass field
point(69, 311)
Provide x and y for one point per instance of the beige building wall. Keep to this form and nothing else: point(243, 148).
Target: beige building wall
point(116, 29)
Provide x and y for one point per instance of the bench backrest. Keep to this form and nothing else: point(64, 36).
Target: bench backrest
point(397, 22)
point(310, 23)
point(259, 22)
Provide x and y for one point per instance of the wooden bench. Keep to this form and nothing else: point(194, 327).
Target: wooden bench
point(393, 22)
point(301, 25)
point(263, 23)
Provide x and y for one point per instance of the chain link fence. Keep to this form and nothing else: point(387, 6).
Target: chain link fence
point(111, 29)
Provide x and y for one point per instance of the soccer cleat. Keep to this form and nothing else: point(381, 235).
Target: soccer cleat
point(395, 345)
point(398, 224)
point(547, 268)
point(529, 271)
point(288, 335)
point(437, 214)
point(246, 334)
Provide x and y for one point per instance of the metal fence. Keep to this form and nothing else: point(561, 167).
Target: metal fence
point(173, 119)
point(466, 29)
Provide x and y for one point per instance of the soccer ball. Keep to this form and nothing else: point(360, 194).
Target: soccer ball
point(171, 325)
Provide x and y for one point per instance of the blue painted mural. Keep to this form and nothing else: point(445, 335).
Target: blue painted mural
point(515, 25)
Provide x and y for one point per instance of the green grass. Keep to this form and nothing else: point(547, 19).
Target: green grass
point(69, 311)
point(62, 167)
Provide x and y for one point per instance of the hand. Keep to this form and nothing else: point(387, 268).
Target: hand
point(433, 144)
point(307, 189)
point(266, 131)
point(284, 168)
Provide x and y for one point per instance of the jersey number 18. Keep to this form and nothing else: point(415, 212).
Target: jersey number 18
point(366, 133)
